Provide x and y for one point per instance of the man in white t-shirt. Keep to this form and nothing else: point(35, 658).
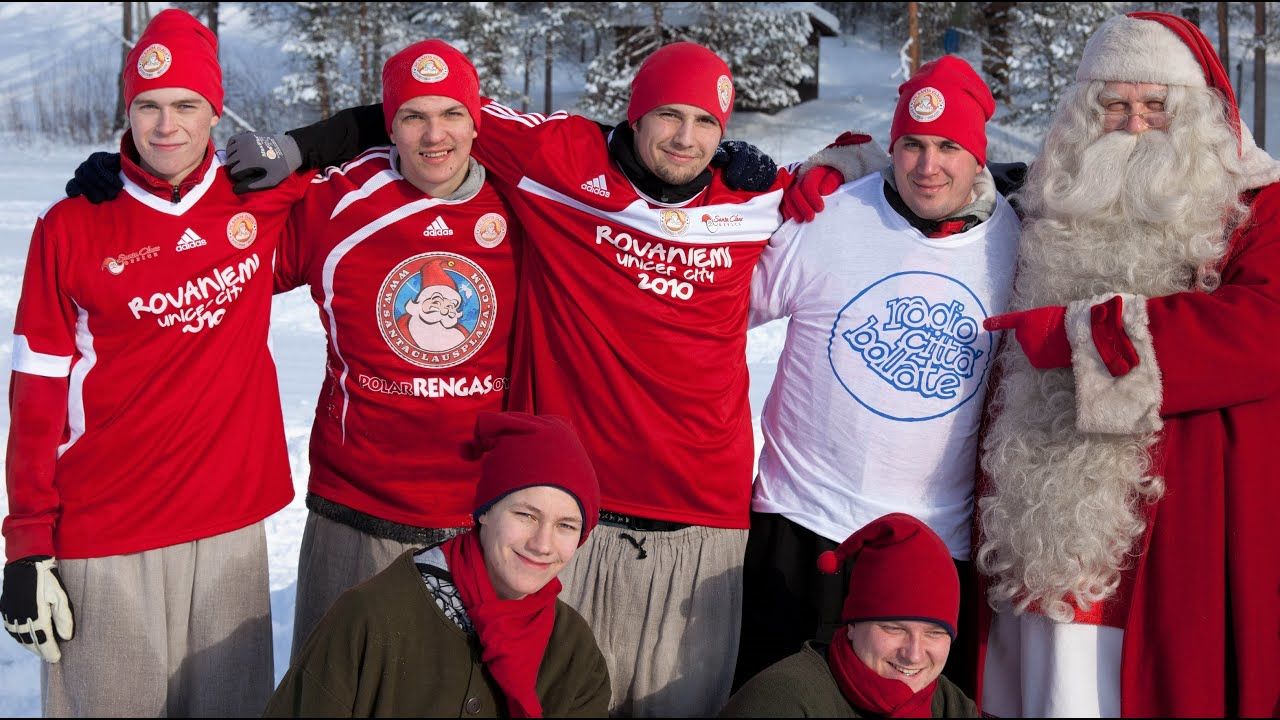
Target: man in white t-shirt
point(878, 398)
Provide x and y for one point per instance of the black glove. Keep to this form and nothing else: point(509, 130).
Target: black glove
point(258, 162)
point(744, 166)
point(97, 178)
point(1008, 176)
point(34, 605)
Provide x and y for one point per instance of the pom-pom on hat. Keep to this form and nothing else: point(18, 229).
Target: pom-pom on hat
point(518, 451)
point(429, 67)
point(174, 51)
point(1158, 48)
point(947, 98)
point(901, 571)
point(683, 73)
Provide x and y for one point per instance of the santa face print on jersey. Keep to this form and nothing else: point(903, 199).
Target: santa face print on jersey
point(436, 310)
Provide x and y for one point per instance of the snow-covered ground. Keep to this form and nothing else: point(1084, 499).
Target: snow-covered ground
point(858, 92)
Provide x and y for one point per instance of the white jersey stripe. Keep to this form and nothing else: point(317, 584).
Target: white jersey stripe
point(329, 172)
point(33, 363)
point(759, 217)
point(330, 269)
point(370, 186)
point(75, 389)
point(162, 205)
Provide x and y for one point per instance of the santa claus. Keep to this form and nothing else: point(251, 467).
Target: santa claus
point(431, 319)
point(1126, 529)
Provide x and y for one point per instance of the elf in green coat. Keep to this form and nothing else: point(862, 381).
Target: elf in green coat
point(902, 606)
point(471, 626)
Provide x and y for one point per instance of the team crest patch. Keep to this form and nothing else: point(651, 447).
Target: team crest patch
point(724, 92)
point(436, 310)
point(926, 105)
point(491, 228)
point(673, 221)
point(154, 61)
point(430, 68)
point(242, 230)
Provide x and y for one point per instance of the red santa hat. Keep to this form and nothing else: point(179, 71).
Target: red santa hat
point(175, 50)
point(901, 571)
point(948, 99)
point(429, 67)
point(1159, 48)
point(683, 73)
point(519, 451)
point(433, 275)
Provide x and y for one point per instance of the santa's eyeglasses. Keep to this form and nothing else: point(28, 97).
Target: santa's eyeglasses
point(1154, 119)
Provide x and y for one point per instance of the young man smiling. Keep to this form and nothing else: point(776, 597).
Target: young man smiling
point(897, 621)
point(147, 443)
point(878, 396)
point(411, 256)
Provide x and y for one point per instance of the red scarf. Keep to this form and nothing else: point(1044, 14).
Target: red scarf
point(869, 692)
point(513, 633)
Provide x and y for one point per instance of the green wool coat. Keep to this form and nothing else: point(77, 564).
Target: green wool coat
point(802, 686)
point(385, 649)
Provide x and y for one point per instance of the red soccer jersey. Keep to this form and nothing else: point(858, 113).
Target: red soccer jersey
point(634, 317)
point(416, 295)
point(158, 312)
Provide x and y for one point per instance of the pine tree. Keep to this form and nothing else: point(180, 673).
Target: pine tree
point(765, 49)
point(1049, 40)
point(486, 32)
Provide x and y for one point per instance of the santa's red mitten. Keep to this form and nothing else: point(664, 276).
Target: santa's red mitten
point(1042, 333)
point(1106, 323)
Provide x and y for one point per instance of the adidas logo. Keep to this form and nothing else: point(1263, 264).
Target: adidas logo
point(438, 228)
point(190, 240)
point(597, 185)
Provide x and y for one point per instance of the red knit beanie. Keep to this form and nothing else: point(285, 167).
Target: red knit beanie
point(175, 51)
point(518, 451)
point(683, 73)
point(429, 67)
point(945, 98)
point(901, 571)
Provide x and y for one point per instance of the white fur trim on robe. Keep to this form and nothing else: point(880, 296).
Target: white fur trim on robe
point(1123, 405)
point(853, 161)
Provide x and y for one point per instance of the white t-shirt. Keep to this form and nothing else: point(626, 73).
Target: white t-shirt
point(880, 385)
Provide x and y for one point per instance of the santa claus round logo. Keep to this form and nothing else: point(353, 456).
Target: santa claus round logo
point(436, 309)
point(926, 105)
point(491, 228)
point(430, 68)
point(724, 92)
point(154, 61)
point(242, 230)
point(673, 221)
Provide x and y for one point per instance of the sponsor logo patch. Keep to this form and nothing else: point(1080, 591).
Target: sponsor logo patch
point(715, 222)
point(926, 105)
point(490, 229)
point(430, 68)
point(116, 265)
point(242, 230)
point(436, 310)
point(154, 61)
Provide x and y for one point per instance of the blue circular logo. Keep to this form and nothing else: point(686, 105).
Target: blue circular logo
point(911, 347)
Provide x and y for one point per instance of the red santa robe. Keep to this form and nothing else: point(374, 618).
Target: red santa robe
point(1195, 628)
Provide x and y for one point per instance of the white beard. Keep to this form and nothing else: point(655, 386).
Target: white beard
point(1065, 507)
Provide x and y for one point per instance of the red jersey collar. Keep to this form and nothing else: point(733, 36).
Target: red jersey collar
point(130, 163)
